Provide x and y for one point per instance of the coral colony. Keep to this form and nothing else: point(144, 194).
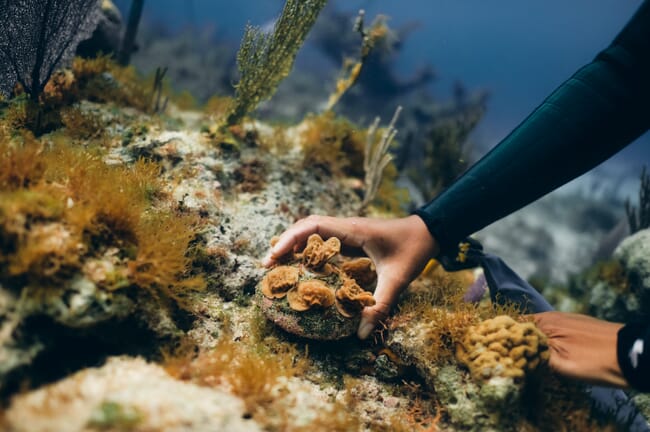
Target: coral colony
point(312, 296)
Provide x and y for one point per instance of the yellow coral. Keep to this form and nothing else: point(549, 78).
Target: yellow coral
point(318, 252)
point(502, 347)
point(351, 298)
point(278, 281)
point(310, 293)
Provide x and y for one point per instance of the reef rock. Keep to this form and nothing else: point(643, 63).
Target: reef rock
point(634, 255)
point(313, 296)
point(107, 37)
point(493, 405)
point(619, 289)
point(499, 354)
point(126, 394)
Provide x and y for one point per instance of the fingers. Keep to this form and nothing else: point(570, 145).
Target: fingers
point(386, 294)
point(370, 317)
point(296, 236)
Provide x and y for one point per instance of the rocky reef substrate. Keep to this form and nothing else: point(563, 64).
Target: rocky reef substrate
point(210, 359)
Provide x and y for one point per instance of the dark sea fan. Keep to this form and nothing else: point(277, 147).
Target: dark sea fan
point(39, 36)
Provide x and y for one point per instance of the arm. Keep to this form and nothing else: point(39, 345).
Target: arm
point(597, 351)
point(582, 347)
point(594, 114)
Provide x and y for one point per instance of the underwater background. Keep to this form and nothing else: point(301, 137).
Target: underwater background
point(518, 51)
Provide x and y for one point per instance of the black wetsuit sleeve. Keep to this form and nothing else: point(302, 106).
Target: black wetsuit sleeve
point(633, 352)
point(591, 116)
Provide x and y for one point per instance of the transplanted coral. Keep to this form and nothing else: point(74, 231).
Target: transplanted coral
point(318, 252)
point(502, 347)
point(351, 298)
point(362, 270)
point(313, 296)
point(280, 280)
point(309, 294)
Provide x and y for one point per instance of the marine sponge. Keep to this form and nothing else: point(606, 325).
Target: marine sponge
point(502, 347)
point(310, 293)
point(322, 301)
point(279, 280)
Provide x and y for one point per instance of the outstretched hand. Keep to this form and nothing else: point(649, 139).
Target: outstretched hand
point(582, 347)
point(400, 248)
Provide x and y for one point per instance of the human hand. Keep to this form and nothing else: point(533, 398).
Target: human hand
point(400, 248)
point(582, 347)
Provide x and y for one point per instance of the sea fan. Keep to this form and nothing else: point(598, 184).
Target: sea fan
point(39, 36)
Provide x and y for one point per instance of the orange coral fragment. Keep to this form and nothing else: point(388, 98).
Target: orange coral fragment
point(318, 252)
point(362, 270)
point(278, 281)
point(310, 293)
point(351, 298)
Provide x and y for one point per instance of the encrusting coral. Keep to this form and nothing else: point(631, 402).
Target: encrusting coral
point(323, 301)
point(502, 347)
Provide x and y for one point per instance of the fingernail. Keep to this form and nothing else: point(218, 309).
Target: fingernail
point(266, 261)
point(365, 328)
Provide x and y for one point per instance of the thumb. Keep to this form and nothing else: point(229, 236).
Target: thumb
point(385, 295)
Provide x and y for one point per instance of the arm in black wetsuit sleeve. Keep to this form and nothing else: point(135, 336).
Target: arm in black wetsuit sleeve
point(598, 111)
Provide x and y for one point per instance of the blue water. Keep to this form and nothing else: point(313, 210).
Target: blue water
point(518, 50)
